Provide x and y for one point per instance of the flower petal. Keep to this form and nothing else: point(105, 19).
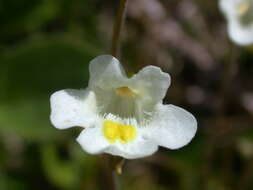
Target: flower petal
point(152, 83)
point(105, 71)
point(228, 7)
point(92, 140)
point(238, 32)
point(73, 108)
point(138, 148)
point(172, 127)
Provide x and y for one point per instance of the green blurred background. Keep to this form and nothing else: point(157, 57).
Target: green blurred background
point(46, 45)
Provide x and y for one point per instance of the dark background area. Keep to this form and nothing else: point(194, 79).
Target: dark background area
point(46, 45)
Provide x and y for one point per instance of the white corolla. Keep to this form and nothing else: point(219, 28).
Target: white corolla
point(123, 116)
point(239, 14)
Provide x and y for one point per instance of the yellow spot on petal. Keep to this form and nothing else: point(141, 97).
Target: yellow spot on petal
point(114, 131)
point(243, 8)
point(124, 91)
point(110, 130)
point(127, 132)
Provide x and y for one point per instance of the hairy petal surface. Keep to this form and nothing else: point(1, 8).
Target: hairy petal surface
point(93, 141)
point(140, 147)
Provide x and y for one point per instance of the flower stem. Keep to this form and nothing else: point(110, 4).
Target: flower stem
point(109, 173)
point(117, 28)
point(228, 74)
point(111, 169)
point(230, 69)
point(111, 166)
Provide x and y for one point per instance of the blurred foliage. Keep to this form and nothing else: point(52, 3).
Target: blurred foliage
point(46, 45)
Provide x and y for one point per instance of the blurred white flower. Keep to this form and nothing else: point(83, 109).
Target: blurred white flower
point(123, 116)
point(239, 14)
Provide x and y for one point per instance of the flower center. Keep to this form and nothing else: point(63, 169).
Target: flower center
point(245, 12)
point(243, 8)
point(122, 101)
point(116, 131)
point(124, 91)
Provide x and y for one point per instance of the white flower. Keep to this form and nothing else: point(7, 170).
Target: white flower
point(123, 116)
point(239, 14)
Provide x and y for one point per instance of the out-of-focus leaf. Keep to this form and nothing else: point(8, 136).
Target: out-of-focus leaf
point(28, 119)
point(43, 66)
point(244, 144)
point(61, 173)
point(30, 74)
point(215, 183)
point(9, 183)
point(47, 10)
point(68, 174)
point(12, 11)
point(191, 154)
